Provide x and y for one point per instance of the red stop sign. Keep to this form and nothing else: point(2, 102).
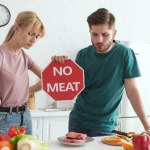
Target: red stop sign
point(63, 81)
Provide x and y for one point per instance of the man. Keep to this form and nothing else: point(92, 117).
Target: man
point(109, 67)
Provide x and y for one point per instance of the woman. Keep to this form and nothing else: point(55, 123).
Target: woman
point(14, 66)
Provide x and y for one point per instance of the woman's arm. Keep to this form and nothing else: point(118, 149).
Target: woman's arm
point(37, 86)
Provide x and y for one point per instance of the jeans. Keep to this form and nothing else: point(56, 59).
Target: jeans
point(14, 119)
point(75, 127)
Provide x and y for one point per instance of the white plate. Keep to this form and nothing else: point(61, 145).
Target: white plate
point(61, 139)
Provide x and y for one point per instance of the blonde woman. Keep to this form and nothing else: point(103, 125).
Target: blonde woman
point(14, 66)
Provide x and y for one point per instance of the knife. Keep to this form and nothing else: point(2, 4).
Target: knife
point(123, 133)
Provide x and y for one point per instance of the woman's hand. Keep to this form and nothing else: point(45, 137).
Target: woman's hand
point(59, 59)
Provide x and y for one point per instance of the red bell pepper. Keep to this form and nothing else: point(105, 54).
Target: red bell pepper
point(16, 130)
point(4, 137)
point(141, 142)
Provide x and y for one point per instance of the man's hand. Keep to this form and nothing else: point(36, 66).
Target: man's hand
point(146, 123)
point(59, 59)
point(147, 128)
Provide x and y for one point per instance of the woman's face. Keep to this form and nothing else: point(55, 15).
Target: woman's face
point(26, 38)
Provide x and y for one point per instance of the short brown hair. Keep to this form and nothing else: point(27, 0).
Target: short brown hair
point(101, 16)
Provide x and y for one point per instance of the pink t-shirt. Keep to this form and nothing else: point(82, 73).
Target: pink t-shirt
point(14, 79)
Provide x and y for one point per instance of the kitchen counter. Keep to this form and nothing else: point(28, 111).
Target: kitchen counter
point(94, 145)
point(50, 113)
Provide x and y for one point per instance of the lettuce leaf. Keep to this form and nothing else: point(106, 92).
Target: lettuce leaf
point(40, 144)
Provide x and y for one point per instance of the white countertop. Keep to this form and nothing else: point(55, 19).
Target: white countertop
point(51, 113)
point(94, 145)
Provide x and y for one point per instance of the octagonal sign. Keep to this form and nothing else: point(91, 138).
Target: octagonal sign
point(63, 81)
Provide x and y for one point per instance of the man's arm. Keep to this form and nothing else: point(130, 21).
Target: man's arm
point(136, 102)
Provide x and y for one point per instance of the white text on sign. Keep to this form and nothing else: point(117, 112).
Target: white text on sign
point(62, 71)
point(62, 86)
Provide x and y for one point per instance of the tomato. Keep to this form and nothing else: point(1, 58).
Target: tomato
point(4, 137)
point(16, 130)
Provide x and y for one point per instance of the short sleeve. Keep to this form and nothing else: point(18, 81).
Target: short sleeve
point(77, 59)
point(131, 68)
point(30, 63)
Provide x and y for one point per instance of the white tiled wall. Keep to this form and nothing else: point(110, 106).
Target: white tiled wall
point(67, 29)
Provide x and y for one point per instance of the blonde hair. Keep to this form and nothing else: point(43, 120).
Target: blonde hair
point(26, 20)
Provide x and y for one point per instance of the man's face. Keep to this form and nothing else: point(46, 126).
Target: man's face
point(102, 37)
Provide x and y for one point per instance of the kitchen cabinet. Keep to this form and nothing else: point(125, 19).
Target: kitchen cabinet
point(54, 127)
point(49, 126)
point(37, 127)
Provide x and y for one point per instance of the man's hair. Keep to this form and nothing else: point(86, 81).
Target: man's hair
point(101, 16)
